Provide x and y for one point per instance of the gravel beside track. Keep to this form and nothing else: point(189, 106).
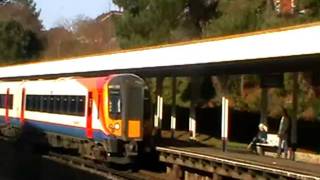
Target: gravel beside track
point(99, 169)
point(102, 170)
point(22, 163)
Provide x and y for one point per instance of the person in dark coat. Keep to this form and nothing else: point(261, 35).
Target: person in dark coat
point(283, 133)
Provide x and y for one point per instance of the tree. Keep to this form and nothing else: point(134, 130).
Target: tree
point(235, 17)
point(146, 22)
point(30, 4)
point(21, 32)
point(310, 7)
point(81, 36)
point(61, 43)
point(17, 44)
point(22, 14)
point(131, 6)
point(201, 11)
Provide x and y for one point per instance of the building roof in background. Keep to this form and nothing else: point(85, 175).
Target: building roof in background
point(105, 16)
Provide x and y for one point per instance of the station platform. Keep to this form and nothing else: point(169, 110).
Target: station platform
point(236, 162)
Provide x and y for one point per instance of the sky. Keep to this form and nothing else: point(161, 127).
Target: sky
point(54, 12)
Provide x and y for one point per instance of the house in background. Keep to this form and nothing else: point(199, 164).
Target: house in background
point(107, 21)
point(285, 7)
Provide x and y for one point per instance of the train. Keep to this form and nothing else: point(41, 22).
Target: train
point(102, 118)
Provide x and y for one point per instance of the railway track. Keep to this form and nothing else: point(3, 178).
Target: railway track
point(99, 169)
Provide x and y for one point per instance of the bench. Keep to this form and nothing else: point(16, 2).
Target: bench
point(272, 144)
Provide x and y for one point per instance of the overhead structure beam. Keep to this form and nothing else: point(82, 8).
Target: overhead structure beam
point(257, 47)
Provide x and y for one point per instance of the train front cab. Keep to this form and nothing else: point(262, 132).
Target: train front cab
point(124, 95)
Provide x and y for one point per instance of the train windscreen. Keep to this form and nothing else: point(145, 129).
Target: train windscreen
point(115, 103)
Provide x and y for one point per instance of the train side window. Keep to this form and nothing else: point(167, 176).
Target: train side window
point(57, 104)
point(115, 103)
point(10, 101)
point(73, 105)
point(51, 104)
point(41, 104)
point(80, 105)
point(36, 102)
point(2, 100)
point(33, 103)
point(29, 104)
point(44, 103)
point(64, 105)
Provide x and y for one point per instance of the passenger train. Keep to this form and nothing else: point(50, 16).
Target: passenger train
point(100, 117)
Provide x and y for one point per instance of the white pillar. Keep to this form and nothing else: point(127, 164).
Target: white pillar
point(159, 106)
point(173, 106)
point(224, 122)
point(195, 91)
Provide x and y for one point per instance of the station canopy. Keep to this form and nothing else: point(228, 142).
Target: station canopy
point(283, 49)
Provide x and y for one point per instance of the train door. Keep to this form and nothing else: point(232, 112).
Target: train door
point(16, 105)
point(147, 115)
point(133, 99)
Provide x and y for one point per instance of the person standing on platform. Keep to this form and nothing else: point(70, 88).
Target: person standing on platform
point(283, 133)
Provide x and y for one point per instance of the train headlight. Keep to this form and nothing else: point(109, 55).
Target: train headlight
point(116, 126)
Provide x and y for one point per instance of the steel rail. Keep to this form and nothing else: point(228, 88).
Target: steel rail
point(92, 167)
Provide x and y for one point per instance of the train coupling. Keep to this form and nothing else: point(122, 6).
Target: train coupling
point(131, 148)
